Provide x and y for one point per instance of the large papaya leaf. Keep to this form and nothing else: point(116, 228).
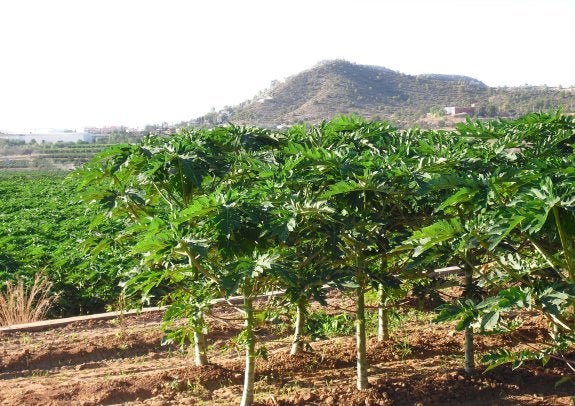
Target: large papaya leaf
point(433, 235)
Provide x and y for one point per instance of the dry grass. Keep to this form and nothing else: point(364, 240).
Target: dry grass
point(21, 305)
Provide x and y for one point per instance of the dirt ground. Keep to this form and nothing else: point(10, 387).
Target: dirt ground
point(122, 361)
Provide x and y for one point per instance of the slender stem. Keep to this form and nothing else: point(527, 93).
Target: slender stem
point(360, 334)
point(565, 243)
point(168, 201)
point(468, 346)
point(200, 348)
point(382, 316)
point(297, 343)
point(249, 374)
point(469, 351)
point(192, 261)
point(200, 351)
point(546, 257)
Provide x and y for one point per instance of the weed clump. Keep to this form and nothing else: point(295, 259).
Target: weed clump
point(19, 304)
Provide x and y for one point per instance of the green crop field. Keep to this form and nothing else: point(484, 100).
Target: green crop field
point(353, 204)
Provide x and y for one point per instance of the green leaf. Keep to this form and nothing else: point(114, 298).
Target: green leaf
point(431, 236)
point(466, 321)
point(490, 320)
point(497, 358)
point(199, 207)
point(498, 233)
point(463, 195)
point(450, 311)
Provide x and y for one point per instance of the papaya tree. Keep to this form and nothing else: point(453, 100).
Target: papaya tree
point(307, 264)
point(456, 174)
point(499, 183)
point(245, 263)
point(305, 227)
point(197, 203)
point(167, 187)
point(356, 167)
point(532, 235)
point(248, 253)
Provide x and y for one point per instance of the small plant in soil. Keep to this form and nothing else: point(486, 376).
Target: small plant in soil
point(322, 325)
point(402, 348)
point(22, 304)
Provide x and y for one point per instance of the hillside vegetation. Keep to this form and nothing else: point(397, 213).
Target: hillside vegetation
point(339, 87)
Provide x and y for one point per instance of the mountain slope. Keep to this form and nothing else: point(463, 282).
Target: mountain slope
point(339, 87)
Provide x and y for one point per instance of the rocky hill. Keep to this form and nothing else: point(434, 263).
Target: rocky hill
point(339, 87)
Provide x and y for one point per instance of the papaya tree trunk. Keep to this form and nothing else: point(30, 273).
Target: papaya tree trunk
point(469, 351)
point(468, 346)
point(249, 373)
point(568, 254)
point(200, 350)
point(360, 334)
point(382, 316)
point(297, 343)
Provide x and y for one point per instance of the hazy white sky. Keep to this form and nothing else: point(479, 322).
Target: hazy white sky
point(72, 63)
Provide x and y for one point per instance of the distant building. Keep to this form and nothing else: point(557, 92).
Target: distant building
point(107, 130)
point(454, 111)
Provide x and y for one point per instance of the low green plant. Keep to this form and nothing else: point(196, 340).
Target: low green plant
point(322, 325)
point(120, 321)
point(195, 387)
point(402, 348)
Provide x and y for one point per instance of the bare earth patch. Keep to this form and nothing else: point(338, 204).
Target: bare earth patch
point(112, 362)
